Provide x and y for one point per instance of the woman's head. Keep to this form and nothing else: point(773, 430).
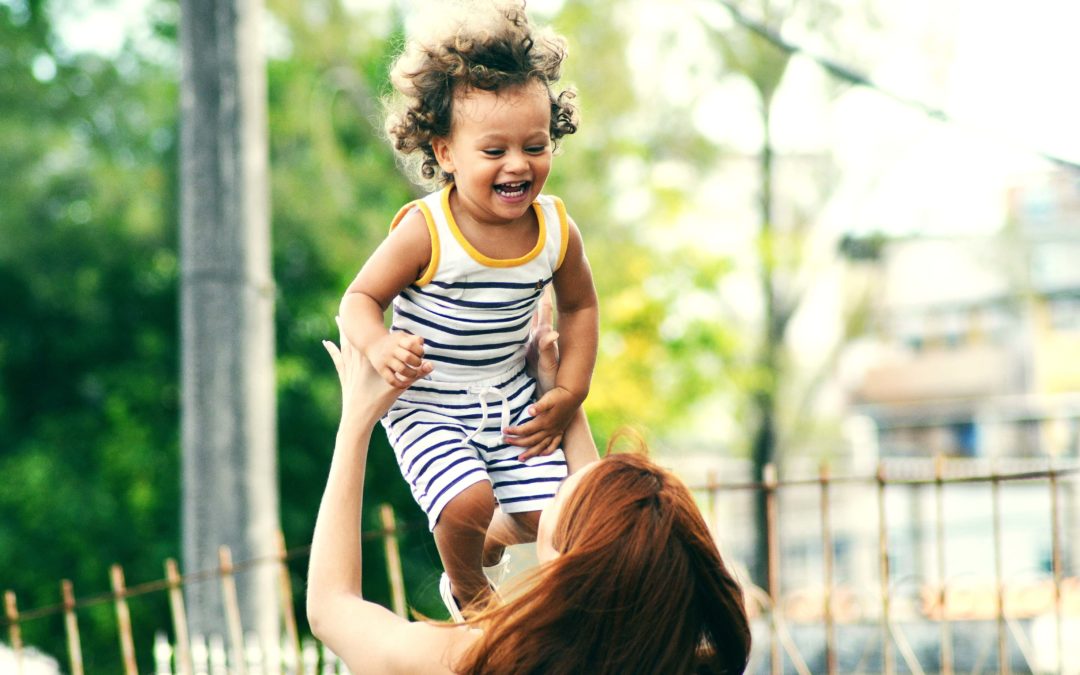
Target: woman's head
point(458, 47)
point(635, 583)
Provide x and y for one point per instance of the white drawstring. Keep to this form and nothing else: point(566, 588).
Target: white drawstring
point(481, 392)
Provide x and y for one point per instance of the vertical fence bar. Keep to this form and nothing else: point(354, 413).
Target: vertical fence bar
point(232, 610)
point(123, 620)
point(11, 611)
point(1055, 564)
point(288, 610)
point(393, 559)
point(942, 596)
point(772, 540)
point(182, 650)
point(999, 581)
point(71, 628)
point(827, 569)
point(883, 559)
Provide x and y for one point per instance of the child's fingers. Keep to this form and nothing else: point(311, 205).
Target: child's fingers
point(529, 442)
point(545, 447)
point(408, 358)
point(412, 343)
point(525, 429)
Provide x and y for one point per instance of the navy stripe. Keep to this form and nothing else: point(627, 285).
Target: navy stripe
point(527, 498)
point(457, 331)
point(433, 429)
point(431, 390)
point(466, 406)
point(433, 459)
point(451, 484)
point(446, 468)
point(505, 305)
point(451, 317)
point(527, 466)
point(469, 362)
point(397, 420)
point(436, 446)
point(528, 481)
point(485, 284)
point(493, 345)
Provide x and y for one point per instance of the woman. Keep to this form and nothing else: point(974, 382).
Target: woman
point(629, 581)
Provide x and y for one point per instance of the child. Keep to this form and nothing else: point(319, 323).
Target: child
point(465, 268)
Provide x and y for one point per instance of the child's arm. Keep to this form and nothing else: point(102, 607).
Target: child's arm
point(578, 334)
point(396, 263)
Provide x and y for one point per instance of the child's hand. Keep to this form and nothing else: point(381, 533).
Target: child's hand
point(542, 434)
point(399, 358)
point(363, 392)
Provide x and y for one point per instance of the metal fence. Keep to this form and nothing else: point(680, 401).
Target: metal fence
point(880, 638)
point(827, 637)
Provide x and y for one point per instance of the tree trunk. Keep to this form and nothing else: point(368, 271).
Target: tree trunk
point(763, 444)
point(228, 427)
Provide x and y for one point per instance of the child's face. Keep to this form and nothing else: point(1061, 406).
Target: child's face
point(499, 150)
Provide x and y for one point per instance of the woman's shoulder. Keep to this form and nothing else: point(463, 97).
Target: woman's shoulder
point(432, 648)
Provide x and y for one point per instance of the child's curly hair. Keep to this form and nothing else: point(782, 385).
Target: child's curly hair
point(502, 51)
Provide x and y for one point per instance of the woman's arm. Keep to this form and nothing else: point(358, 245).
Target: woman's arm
point(367, 636)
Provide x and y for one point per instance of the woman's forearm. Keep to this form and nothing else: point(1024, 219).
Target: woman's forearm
point(578, 444)
point(335, 563)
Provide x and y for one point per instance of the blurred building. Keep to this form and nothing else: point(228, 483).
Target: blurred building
point(978, 345)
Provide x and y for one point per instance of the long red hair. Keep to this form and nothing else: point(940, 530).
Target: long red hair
point(639, 587)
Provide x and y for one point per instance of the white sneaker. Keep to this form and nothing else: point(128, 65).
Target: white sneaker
point(496, 574)
point(448, 599)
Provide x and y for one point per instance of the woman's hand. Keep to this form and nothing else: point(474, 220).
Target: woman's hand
point(364, 392)
point(542, 350)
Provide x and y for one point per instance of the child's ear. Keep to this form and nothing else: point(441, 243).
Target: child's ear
point(441, 147)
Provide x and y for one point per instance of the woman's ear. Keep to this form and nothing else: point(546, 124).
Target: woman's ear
point(441, 147)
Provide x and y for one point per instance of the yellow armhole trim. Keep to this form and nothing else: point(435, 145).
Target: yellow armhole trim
point(479, 257)
point(433, 264)
point(564, 230)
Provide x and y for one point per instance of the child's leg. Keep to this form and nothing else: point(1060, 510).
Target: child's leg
point(459, 535)
point(507, 529)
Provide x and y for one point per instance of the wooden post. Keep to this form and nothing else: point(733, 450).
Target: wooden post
point(71, 628)
point(999, 580)
point(393, 560)
point(827, 569)
point(232, 611)
point(772, 542)
point(883, 560)
point(11, 611)
point(1055, 562)
point(946, 629)
point(179, 618)
point(123, 620)
point(288, 610)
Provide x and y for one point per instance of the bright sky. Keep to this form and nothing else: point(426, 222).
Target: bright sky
point(1004, 71)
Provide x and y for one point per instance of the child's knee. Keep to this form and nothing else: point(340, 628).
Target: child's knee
point(527, 522)
point(470, 510)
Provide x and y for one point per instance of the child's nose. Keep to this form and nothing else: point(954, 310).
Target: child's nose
point(517, 161)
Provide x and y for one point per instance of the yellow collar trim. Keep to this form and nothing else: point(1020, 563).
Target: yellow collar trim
point(479, 257)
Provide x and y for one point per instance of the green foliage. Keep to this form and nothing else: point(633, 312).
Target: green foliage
point(89, 449)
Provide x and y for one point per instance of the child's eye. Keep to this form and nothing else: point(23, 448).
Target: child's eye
point(493, 152)
point(536, 149)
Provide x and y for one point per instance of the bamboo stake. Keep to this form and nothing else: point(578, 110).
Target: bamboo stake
point(184, 662)
point(232, 610)
point(11, 611)
point(946, 627)
point(883, 555)
point(1055, 558)
point(123, 620)
point(773, 545)
point(827, 568)
point(288, 610)
point(999, 583)
point(393, 560)
point(71, 628)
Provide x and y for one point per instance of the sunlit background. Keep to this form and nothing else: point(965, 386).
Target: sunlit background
point(836, 231)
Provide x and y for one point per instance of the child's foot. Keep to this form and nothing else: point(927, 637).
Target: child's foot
point(496, 573)
point(448, 599)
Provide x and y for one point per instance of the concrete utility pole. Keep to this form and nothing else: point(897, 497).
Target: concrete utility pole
point(230, 490)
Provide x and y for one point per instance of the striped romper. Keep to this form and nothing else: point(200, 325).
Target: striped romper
point(474, 313)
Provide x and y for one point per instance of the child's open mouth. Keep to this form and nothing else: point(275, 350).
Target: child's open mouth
point(512, 190)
